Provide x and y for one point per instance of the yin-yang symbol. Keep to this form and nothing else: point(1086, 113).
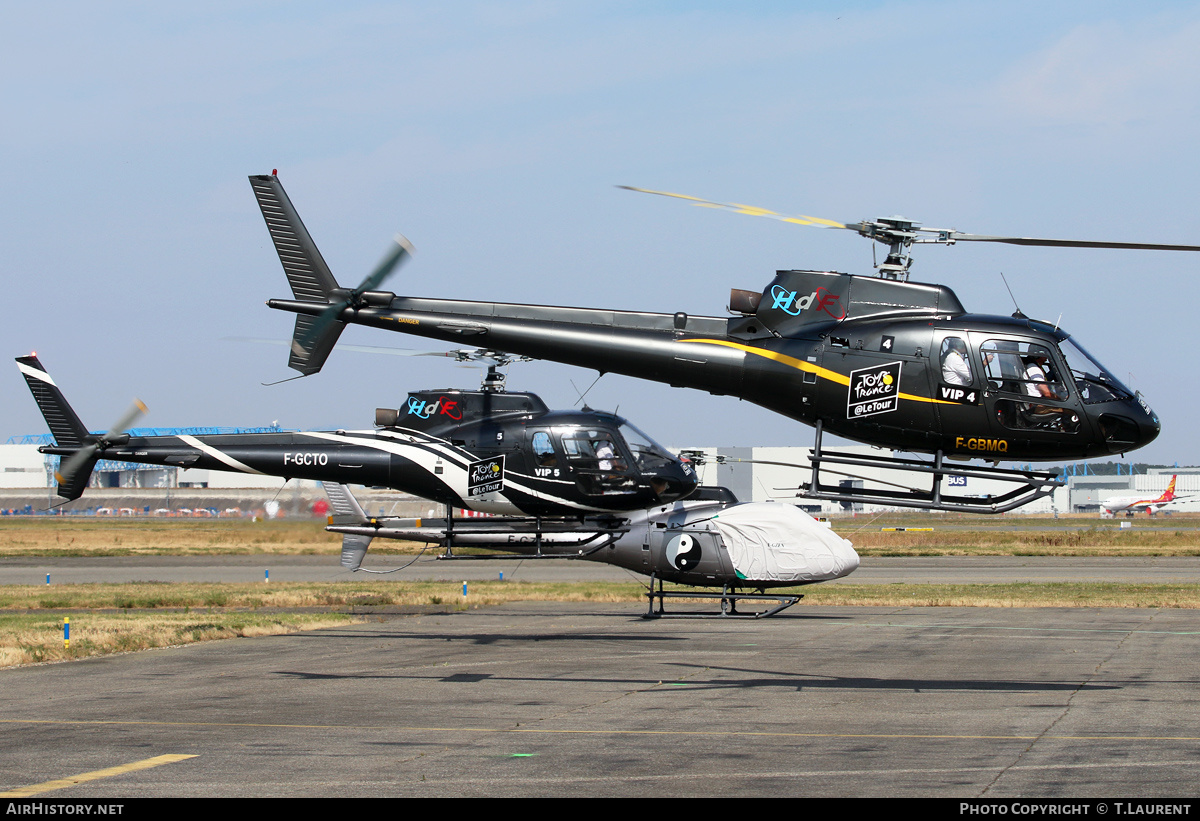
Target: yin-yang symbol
point(683, 552)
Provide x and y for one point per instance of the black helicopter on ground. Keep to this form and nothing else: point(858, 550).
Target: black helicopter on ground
point(488, 450)
point(561, 484)
point(879, 360)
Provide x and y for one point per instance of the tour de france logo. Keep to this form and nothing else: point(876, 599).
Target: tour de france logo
point(874, 390)
point(485, 476)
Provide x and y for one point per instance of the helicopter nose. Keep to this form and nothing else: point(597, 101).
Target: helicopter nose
point(675, 482)
point(1150, 430)
point(1133, 427)
point(847, 558)
point(1147, 421)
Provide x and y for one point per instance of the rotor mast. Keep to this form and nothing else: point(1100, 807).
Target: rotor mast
point(898, 233)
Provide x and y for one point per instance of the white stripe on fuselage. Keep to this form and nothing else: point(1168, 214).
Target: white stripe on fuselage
point(218, 455)
point(458, 474)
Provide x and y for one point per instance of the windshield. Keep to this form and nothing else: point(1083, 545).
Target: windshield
point(1018, 366)
point(1095, 383)
point(648, 454)
point(593, 449)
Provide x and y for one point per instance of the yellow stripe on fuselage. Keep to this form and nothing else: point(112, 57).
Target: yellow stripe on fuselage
point(807, 367)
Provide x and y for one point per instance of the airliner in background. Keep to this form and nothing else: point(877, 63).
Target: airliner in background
point(1129, 505)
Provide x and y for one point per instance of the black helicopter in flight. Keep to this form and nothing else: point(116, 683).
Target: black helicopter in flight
point(879, 360)
point(488, 450)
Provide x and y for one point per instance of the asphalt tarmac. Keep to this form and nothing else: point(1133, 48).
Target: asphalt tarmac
point(590, 700)
point(889, 570)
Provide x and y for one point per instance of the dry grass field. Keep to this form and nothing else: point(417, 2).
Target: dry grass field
point(952, 535)
point(22, 536)
point(31, 638)
point(113, 618)
point(126, 617)
point(1091, 541)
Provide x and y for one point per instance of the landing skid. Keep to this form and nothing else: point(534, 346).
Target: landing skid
point(1029, 484)
point(729, 599)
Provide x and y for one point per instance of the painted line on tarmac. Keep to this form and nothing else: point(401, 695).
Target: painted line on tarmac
point(726, 776)
point(1041, 628)
point(614, 732)
point(63, 783)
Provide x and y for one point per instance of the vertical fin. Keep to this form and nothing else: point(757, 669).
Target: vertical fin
point(306, 272)
point(64, 423)
point(66, 426)
point(346, 508)
point(309, 351)
point(354, 550)
point(72, 485)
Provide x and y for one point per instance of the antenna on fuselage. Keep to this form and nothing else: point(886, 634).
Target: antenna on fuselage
point(1018, 313)
point(589, 387)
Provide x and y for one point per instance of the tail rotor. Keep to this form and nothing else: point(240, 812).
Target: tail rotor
point(400, 250)
point(90, 452)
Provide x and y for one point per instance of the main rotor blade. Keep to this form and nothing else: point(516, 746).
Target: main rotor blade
point(750, 210)
point(357, 348)
point(955, 236)
point(890, 233)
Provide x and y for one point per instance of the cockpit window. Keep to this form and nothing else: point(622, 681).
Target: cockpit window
point(593, 448)
point(713, 493)
point(599, 461)
point(1095, 384)
point(1028, 370)
point(543, 449)
point(956, 367)
point(648, 454)
point(1022, 367)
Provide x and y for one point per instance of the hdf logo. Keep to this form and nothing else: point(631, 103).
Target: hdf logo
point(819, 299)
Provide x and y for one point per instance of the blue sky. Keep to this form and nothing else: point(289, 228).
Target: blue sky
point(492, 136)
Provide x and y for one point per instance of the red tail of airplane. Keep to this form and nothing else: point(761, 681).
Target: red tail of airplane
point(1169, 493)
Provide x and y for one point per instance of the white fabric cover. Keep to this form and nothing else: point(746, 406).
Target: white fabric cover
point(774, 542)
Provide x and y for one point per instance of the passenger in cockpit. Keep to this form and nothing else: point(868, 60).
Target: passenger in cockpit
point(956, 370)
